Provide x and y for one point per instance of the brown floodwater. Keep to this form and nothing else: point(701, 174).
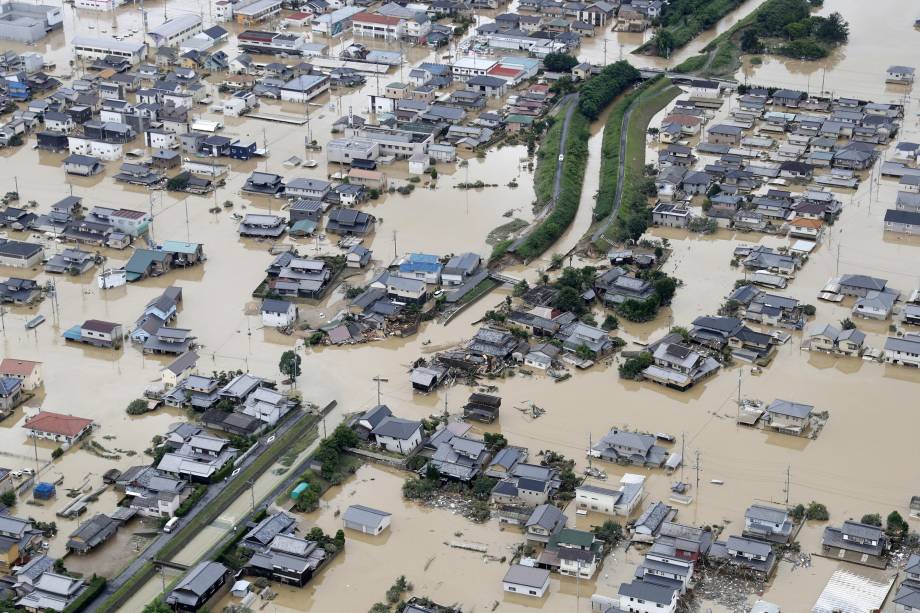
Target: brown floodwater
point(862, 397)
point(857, 69)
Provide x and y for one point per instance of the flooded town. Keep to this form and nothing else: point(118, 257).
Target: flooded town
point(459, 306)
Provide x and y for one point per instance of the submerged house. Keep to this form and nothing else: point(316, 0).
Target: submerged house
point(678, 366)
point(856, 542)
point(625, 447)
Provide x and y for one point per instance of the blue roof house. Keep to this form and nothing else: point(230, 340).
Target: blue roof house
point(422, 267)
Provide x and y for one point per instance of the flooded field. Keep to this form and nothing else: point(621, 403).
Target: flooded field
point(848, 467)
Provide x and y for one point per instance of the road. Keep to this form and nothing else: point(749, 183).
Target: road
point(563, 138)
point(572, 101)
point(153, 550)
point(621, 175)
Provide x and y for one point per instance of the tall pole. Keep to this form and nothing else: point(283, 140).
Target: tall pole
point(379, 380)
point(683, 454)
point(788, 468)
point(35, 448)
point(697, 467)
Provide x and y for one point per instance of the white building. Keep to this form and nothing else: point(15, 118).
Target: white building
point(380, 27)
point(335, 23)
point(304, 88)
point(398, 435)
point(904, 350)
point(526, 580)
point(256, 11)
point(344, 150)
point(160, 139)
point(26, 371)
point(175, 31)
point(98, 47)
point(98, 5)
point(80, 145)
point(467, 67)
point(278, 313)
point(597, 499)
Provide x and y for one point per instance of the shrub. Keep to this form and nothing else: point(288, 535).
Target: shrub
point(137, 406)
point(633, 367)
point(816, 511)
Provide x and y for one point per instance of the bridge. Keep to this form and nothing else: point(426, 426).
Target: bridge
point(501, 278)
point(168, 564)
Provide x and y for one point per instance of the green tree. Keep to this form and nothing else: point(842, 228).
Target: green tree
point(610, 322)
point(560, 62)
point(289, 365)
point(569, 299)
point(495, 441)
point(58, 452)
point(482, 487)
point(798, 512)
point(137, 407)
point(584, 352)
point(610, 532)
point(816, 511)
point(664, 43)
point(521, 287)
point(847, 324)
point(8, 498)
point(750, 43)
point(664, 289)
point(833, 29)
point(895, 526)
point(157, 606)
point(633, 367)
point(872, 519)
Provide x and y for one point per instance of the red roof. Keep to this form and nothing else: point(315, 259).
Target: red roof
point(299, 15)
point(58, 423)
point(365, 17)
point(17, 368)
point(504, 71)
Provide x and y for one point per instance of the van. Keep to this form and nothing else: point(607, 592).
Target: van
point(170, 525)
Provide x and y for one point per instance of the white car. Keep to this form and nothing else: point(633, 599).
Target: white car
point(561, 157)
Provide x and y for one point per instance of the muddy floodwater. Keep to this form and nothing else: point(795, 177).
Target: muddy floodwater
point(863, 461)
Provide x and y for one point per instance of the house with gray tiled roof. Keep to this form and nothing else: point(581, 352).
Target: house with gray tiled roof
point(856, 542)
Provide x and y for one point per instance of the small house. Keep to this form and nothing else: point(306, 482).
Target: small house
point(278, 313)
point(366, 519)
point(526, 580)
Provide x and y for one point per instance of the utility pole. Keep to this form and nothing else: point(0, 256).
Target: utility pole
point(379, 380)
point(683, 454)
point(788, 469)
point(446, 413)
point(838, 260)
point(740, 370)
point(394, 245)
point(605, 51)
point(252, 492)
point(697, 467)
